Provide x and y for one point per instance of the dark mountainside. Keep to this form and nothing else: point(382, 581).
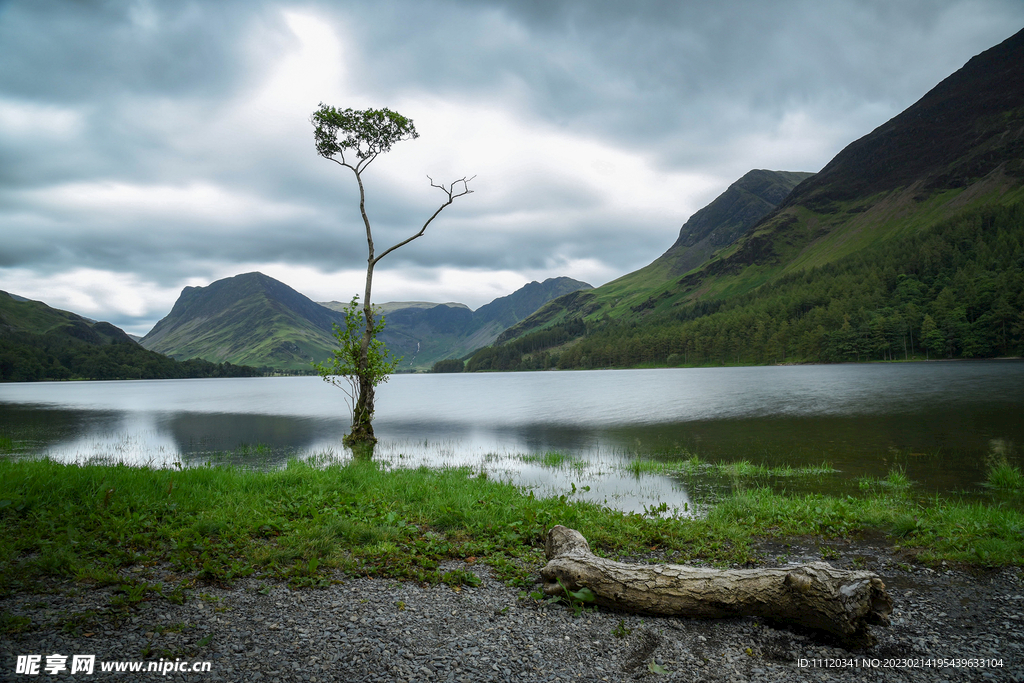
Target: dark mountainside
point(254, 319)
point(729, 216)
point(961, 145)
point(964, 129)
point(908, 242)
point(21, 315)
point(38, 342)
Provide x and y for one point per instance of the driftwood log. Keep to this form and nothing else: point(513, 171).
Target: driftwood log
point(814, 595)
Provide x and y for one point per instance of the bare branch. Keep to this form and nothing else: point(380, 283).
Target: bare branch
point(452, 196)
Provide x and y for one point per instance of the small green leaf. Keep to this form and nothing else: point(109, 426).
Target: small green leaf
point(657, 668)
point(583, 595)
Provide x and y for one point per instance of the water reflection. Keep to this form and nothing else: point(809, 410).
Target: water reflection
point(937, 421)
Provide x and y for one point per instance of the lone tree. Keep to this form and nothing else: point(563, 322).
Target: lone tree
point(353, 139)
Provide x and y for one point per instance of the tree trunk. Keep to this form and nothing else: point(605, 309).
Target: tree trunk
point(362, 417)
point(814, 595)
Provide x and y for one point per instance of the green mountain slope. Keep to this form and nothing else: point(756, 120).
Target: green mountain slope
point(38, 342)
point(253, 319)
point(249, 319)
point(710, 229)
point(952, 159)
point(20, 315)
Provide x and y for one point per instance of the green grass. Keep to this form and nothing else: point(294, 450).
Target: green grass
point(308, 525)
point(741, 469)
point(223, 523)
point(895, 482)
point(641, 466)
point(970, 533)
point(553, 460)
point(1004, 476)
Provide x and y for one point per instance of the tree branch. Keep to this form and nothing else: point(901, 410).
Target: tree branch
point(452, 196)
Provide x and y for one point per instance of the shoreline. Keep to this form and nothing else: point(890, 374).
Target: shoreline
point(372, 629)
point(359, 573)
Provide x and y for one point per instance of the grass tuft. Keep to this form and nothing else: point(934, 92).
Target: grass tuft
point(1004, 476)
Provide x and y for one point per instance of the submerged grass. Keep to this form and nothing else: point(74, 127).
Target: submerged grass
point(742, 469)
point(896, 481)
point(555, 460)
point(1004, 476)
point(218, 524)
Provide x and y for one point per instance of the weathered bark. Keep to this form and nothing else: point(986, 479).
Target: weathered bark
point(815, 595)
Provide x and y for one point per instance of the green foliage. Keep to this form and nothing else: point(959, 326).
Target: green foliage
point(367, 133)
point(448, 365)
point(11, 625)
point(528, 353)
point(895, 482)
point(578, 599)
point(26, 357)
point(345, 368)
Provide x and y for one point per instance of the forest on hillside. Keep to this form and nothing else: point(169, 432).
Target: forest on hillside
point(26, 357)
point(955, 290)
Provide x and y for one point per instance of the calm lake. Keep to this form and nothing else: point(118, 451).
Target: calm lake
point(938, 421)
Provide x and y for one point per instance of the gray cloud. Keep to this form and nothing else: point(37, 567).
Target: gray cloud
point(147, 140)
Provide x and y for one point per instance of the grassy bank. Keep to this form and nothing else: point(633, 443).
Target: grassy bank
point(217, 524)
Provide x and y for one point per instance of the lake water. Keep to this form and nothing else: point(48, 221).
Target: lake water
point(938, 421)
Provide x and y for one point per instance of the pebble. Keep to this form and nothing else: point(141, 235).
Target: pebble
point(354, 631)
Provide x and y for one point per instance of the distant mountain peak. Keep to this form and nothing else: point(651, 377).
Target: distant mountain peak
point(248, 319)
point(253, 319)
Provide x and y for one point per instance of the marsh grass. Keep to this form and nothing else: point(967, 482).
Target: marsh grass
point(741, 469)
point(311, 523)
point(555, 460)
point(1003, 476)
point(223, 523)
point(641, 466)
point(896, 482)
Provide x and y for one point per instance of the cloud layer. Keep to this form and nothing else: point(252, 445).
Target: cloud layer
point(148, 146)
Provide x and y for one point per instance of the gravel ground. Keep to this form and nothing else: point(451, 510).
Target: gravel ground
point(380, 630)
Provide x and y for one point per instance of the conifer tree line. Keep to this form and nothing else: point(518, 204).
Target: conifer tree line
point(955, 290)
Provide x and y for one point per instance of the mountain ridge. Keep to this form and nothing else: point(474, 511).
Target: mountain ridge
point(956, 152)
point(253, 319)
point(39, 342)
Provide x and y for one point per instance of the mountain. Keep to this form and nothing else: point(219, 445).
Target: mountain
point(961, 146)
point(873, 225)
point(728, 217)
point(38, 342)
point(253, 319)
point(248, 319)
point(717, 225)
point(21, 315)
point(424, 333)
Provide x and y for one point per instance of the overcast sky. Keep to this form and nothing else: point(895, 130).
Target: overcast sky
point(147, 146)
